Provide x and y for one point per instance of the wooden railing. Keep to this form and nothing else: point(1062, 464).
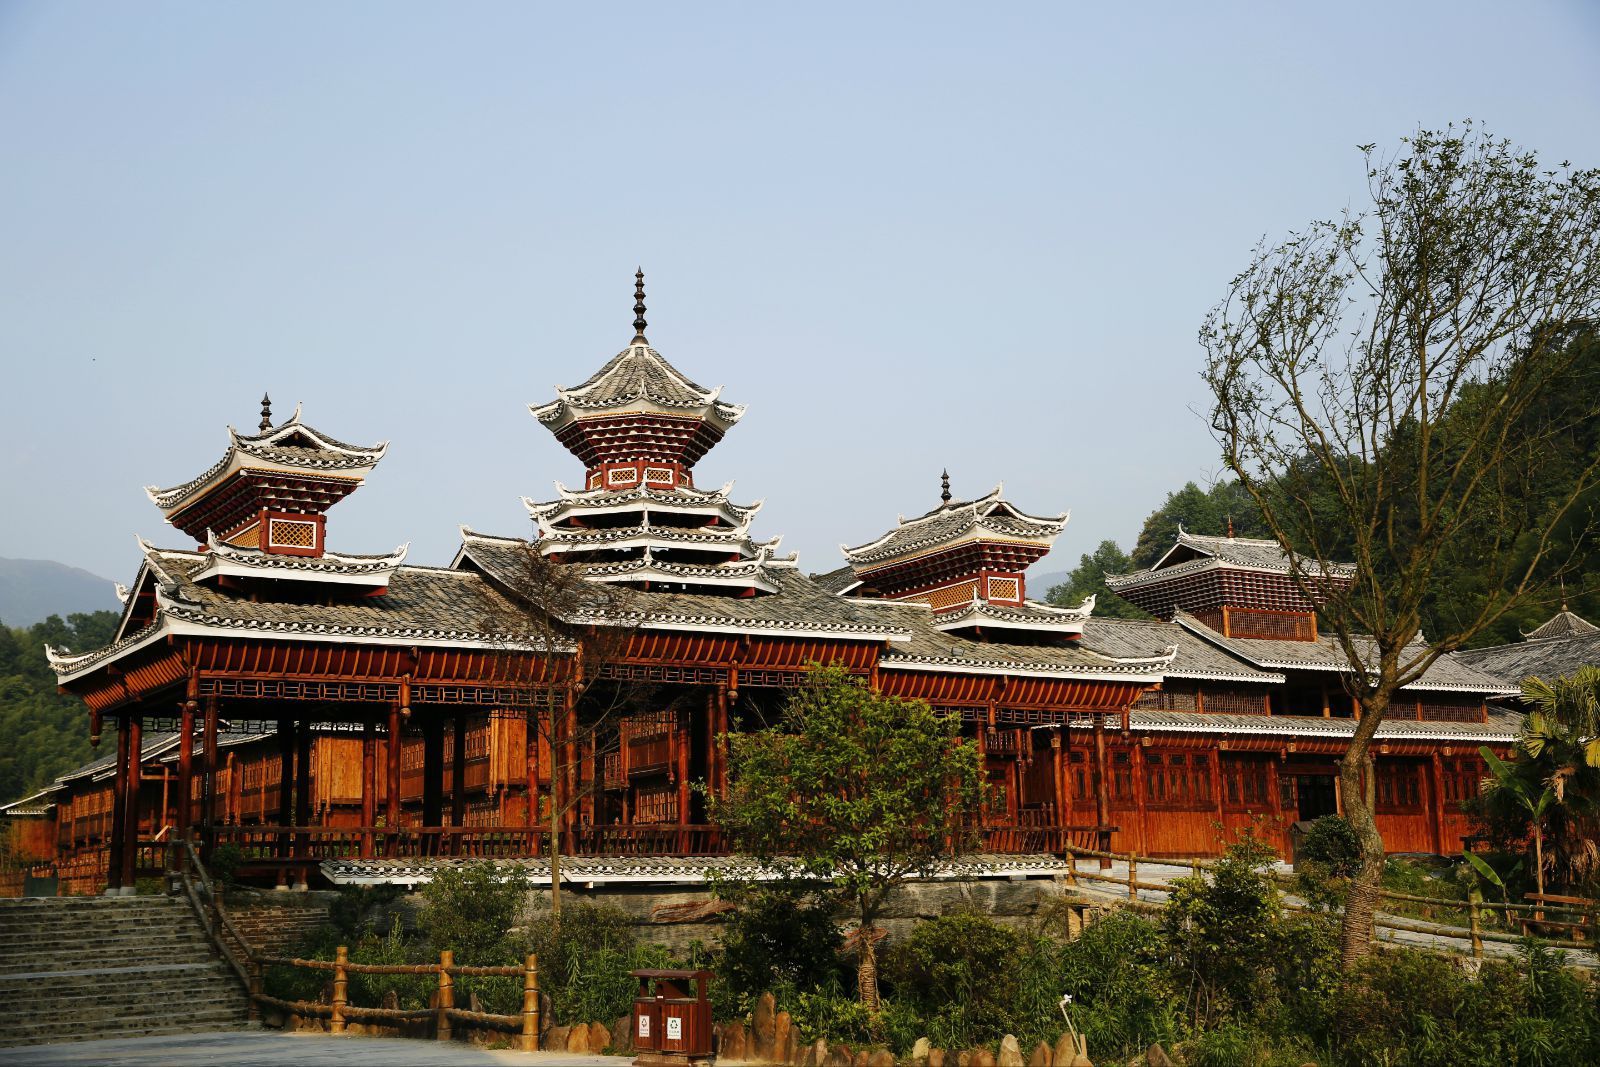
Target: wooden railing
point(1473, 908)
point(444, 1014)
point(664, 840)
point(273, 843)
point(186, 872)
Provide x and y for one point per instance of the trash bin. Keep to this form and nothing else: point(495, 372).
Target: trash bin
point(672, 1018)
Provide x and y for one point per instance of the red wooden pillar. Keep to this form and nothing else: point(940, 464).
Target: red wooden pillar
point(369, 783)
point(185, 768)
point(685, 740)
point(1140, 798)
point(722, 739)
point(433, 775)
point(130, 833)
point(1058, 758)
point(302, 789)
point(208, 784)
point(458, 777)
point(391, 805)
point(1102, 791)
point(1437, 769)
point(119, 812)
point(285, 783)
point(532, 746)
point(568, 773)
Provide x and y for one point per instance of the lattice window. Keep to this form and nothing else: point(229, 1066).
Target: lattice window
point(659, 475)
point(1276, 626)
point(1234, 702)
point(656, 806)
point(249, 537)
point(1246, 784)
point(1122, 777)
point(1178, 780)
point(1463, 779)
point(1173, 698)
point(622, 476)
point(1005, 589)
point(949, 596)
point(1444, 709)
point(1399, 788)
point(291, 533)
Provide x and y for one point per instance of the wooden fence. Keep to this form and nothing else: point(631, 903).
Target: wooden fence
point(1473, 907)
point(444, 1013)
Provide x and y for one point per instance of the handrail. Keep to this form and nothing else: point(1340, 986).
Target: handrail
point(214, 921)
point(443, 1013)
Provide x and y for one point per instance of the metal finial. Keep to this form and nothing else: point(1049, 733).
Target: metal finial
point(266, 413)
point(944, 486)
point(638, 307)
point(1230, 527)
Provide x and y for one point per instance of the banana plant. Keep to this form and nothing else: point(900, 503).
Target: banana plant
point(1535, 804)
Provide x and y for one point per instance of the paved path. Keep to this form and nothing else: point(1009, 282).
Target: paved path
point(1443, 938)
point(269, 1048)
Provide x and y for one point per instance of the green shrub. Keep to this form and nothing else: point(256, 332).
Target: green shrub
point(1224, 933)
point(780, 940)
point(225, 862)
point(832, 1013)
point(1332, 842)
point(472, 910)
point(1123, 996)
point(585, 959)
point(960, 972)
point(411, 990)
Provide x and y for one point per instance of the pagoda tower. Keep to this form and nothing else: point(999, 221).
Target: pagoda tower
point(639, 426)
point(967, 560)
point(259, 514)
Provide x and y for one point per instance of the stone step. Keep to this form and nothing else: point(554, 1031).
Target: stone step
point(143, 1026)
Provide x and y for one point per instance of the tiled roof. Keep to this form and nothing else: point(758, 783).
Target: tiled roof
point(839, 580)
point(291, 444)
point(796, 605)
point(688, 870)
point(1202, 552)
point(1448, 673)
point(152, 743)
point(330, 566)
point(1029, 615)
point(684, 497)
point(38, 803)
point(930, 649)
point(636, 373)
point(989, 515)
point(1544, 657)
point(1563, 624)
point(1196, 658)
point(1499, 728)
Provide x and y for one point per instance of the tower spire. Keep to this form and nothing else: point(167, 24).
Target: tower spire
point(638, 307)
point(266, 412)
point(944, 486)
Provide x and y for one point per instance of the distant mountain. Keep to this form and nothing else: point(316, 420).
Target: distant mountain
point(32, 589)
point(1039, 585)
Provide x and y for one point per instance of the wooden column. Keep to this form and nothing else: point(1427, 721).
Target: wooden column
point(1102, 787)
point(458, 772)
point(185, 768)
point(119, 812)
point(285, 783)
point(208, 784)
point(130, 833)
point(722, 739)
point(302, 788)
point(369, 782)
point(391, 800)
point(1437, 768)
point(1058, 754)
point(532, 746)
point(433, 772)
point(1140, 789)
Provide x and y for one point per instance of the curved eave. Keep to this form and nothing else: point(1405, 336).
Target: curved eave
point(549, 513)
point(70, 667)
point(1111, 672)
point(655, 538)
point(564, 411)
point(752, 627)
point(873, 563)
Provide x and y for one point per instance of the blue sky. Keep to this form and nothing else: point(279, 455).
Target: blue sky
point(907, 236)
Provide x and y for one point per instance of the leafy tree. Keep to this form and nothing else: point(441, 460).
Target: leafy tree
point(1226, 505)
point(1089, 579)
point(854, 790)
point(46, 733)
point(1382, 388)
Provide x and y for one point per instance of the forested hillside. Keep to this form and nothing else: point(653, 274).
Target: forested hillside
point(1459, 583)
point(43, 733)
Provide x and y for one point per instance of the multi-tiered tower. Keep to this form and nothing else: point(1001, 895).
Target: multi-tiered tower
point(967, 561)
point(639, 426)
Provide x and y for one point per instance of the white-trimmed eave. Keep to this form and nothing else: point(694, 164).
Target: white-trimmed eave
point(71, 667)
point(1112, 672)
point(374, 579)
point(238, 459)
point(919, 550)
point(978, 618)
point(556, 540)
point(1287, 726)
point(753, 627)
point(1227, 644)
point(212, 626)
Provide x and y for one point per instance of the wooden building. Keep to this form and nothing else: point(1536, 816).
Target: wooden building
point(309, 705)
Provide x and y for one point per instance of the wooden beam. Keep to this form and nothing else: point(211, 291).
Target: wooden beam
point(185, 818)
point(369, 782)
point(302, 788)
point(119, 811)
point(285, 782)
point(130, 834)
point(1102, 785)
point(458, 771)
point(391, 806)
point(208, 784)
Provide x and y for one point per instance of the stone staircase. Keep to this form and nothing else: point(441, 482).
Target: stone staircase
point(78, 968)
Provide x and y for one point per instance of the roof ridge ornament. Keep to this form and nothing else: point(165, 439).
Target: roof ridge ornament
point(944, 486)
point(638, 308)
point(266, 413)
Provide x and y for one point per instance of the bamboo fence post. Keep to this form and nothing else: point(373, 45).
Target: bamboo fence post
point(1133, 876)
point(447, 995)
point(341, 990)
point(1475, 898)
point(1072, 868)
point(529, 1041)
point(254, 1010)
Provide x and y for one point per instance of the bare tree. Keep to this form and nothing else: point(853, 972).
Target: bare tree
point(1385, 387)
point(563, 638)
